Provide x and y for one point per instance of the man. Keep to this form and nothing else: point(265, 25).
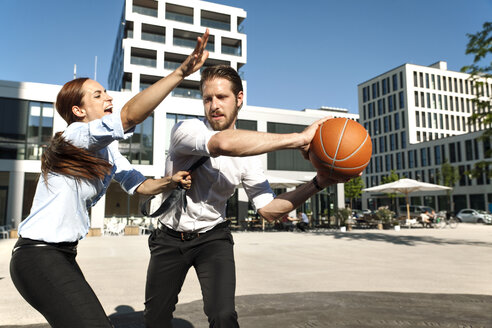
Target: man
point(303, 221)
point(201, 237)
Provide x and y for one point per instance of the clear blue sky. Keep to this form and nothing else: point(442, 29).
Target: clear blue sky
point(301, 54)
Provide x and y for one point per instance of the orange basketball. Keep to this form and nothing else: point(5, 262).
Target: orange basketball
point(341, 146)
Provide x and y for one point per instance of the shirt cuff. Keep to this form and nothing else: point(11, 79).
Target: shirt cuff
point(131, 183)
point(262, 200)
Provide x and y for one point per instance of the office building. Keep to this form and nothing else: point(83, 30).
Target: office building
point(418, 118)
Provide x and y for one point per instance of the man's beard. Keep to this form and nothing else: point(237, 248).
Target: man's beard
point(223, 125)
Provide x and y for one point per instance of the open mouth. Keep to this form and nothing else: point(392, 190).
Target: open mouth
point(109, 109)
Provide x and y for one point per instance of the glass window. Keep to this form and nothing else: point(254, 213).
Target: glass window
point(287, 159)
point(395, 81)
point(26, 127)
point(401, 97)
point(171, 120)
point(403, 138)
point(138, 149)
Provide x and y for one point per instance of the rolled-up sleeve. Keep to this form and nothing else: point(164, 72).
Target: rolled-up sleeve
point(256, 185)
point(125, 174)
point(97, 134)
point(191, 137)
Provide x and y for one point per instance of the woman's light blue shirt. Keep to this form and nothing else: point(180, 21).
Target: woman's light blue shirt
point(59, 212)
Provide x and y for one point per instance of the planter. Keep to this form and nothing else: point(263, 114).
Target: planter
point(343, 229)
point(13, 233)
point(131, 230)
point(349, 227)
point(380, 226)
point(94, 232)
point(386, 226)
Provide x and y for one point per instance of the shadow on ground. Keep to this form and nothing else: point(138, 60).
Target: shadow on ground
point(400, 239)
point(334, 309)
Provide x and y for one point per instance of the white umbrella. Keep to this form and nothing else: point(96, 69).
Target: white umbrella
point(406, 186)
point(279, 182)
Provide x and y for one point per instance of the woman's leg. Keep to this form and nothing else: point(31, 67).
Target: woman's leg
point(52, 282)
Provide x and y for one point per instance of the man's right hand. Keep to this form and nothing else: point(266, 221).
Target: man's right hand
point(308, 135)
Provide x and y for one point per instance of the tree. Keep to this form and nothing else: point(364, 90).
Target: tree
point(393, 176)
point(480, 46)
point(353, 189)
point(450, 175)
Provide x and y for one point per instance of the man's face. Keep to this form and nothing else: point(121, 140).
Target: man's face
point(220, 104)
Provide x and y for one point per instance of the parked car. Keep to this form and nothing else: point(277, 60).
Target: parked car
point(474, 216)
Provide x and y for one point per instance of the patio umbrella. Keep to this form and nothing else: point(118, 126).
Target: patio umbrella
point(406, 186)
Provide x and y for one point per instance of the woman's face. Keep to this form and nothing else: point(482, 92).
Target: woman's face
point(96, 103)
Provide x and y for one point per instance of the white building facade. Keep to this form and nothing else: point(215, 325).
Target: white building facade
point(417, 117)
point(154, 37)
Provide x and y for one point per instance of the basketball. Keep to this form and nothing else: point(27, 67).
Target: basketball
point(341, 147)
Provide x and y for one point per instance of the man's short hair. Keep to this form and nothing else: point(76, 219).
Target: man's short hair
point(224, 72)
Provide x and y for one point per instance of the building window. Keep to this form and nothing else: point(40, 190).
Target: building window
point(179, 13)
point(403, 138)
point(215, 20)
point(153, 33)
point(395, 81)
point(171, 120)
point(401, 97)
point(231, 47)
point(26, 128)
point(286, 159)
point(437, 155)
point(138, 149)
point(187, 39)
point(143, 57)
point(145, 7)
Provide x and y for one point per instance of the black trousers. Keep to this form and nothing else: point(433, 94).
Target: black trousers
point(49, 278)
point(212, 256)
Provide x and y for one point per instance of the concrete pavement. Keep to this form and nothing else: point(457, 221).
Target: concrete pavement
point(362, 278)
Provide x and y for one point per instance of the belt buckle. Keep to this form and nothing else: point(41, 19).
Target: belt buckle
point(187, 236)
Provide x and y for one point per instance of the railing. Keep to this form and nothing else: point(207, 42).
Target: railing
point(179, 17)
point(188, 43)
point(142, 61)
point(215, 24)
point(187, 93)
point(153, 37)
point(229, 50)
point(145, 11)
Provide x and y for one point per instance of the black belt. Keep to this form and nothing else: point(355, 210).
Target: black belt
point(187, 236)
point(69, 247)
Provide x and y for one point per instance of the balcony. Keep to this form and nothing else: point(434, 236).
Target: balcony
point(179, 13)
point(153, 33)
point(143, 57)
point(145, 11)
point(188, 40)
point(231, 47)
point(215, 20)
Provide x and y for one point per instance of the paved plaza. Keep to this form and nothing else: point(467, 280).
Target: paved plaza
point(361, 278)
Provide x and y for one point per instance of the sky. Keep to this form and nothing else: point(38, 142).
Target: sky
point(301, 54)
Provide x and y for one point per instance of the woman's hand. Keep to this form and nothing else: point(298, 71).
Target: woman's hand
point(197, 58)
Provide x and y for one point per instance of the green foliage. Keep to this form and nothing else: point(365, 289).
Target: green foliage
point(480, 46)
point(353, 188)
point(342, 215)
point(450, 174)
point(385, 214)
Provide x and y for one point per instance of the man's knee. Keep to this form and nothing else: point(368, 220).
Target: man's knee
point(223, 319)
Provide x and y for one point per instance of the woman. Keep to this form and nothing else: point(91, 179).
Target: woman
point(77, 168)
